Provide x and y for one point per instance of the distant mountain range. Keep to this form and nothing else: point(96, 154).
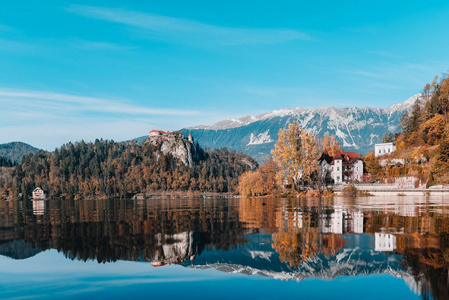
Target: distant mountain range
point(15, 150)
point(357, 129)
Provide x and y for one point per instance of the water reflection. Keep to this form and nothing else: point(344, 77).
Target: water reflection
point(407, 237)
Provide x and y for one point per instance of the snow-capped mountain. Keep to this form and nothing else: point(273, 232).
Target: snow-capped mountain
point(357, 129)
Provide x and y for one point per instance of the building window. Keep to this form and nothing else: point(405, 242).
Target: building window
point(380, 151)
point(388, 150)
point(338, 169)
point(357, 168)
point(338, 178)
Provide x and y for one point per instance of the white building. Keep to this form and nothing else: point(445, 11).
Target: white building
point(343, 166)
point(38, 193)
point(384, 148)
point(384, 242)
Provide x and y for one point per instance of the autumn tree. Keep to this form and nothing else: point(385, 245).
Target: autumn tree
point(330, 144)
point(372, 165)
point(443, 96)
point(388, 138)
point(251, 184)
point(268, 173)
point(431, 131)
point(296, 155)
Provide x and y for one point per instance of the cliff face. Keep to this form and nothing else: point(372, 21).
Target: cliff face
point(183, 149)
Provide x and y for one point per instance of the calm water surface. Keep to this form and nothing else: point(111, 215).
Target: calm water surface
point(366, 248)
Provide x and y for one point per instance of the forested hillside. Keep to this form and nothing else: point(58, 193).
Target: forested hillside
point(16, 150)
point(107, 168)
point(423, 145)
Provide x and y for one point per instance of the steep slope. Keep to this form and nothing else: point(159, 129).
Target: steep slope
point(15, 150)
point(183, 149)
point(357, 129)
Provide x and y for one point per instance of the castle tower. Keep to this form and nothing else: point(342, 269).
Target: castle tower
point(190, 138)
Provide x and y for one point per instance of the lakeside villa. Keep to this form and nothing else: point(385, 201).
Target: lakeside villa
point(344, 166)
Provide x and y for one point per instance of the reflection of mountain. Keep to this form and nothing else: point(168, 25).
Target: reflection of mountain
point(257, 257)
point(18, 249)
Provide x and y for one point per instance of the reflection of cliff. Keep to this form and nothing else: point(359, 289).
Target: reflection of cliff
point(173, 248)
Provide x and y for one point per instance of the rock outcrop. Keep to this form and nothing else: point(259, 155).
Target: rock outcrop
point(185, 150)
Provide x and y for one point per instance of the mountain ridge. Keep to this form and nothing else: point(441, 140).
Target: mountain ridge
point(248, 119)
point(356, 129)
point(14, 151)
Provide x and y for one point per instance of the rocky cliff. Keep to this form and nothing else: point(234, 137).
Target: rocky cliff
point(186, 151)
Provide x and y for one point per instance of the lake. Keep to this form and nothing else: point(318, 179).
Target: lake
point(340, 248)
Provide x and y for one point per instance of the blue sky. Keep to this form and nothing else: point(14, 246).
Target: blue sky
point(72, 70)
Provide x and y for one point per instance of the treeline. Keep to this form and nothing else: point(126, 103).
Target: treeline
point(294, 166)
point(107, 168)
point(5, 162)
point(423, 144)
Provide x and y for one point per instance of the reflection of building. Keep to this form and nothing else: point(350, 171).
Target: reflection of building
point(384, 242)
point(38, 207)
point(357, 222)
point(342, 221)
point(334, 223)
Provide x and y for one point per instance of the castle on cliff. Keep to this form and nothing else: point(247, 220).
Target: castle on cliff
point(168, 133)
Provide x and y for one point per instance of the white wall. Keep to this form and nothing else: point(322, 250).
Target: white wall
point(384, 242)
point(385, 148)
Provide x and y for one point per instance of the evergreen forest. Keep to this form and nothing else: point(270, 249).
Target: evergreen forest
point(110, 169)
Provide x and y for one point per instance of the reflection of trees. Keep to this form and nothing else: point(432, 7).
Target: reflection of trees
point(176, 230)
point(293, 248)
point(109, 230)
point(429, 268)
point(296, 227)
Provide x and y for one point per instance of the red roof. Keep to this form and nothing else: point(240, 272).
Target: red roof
point(157, 131)
point(338, 155)
point(348, 158)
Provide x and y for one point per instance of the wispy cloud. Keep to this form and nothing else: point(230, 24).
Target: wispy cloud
point(402, 70)
point(383, 53)
point(97, 45)
point(47, 120)
point(370, 30)
point(187, 31)
point(65, 102)
point(362, 73)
